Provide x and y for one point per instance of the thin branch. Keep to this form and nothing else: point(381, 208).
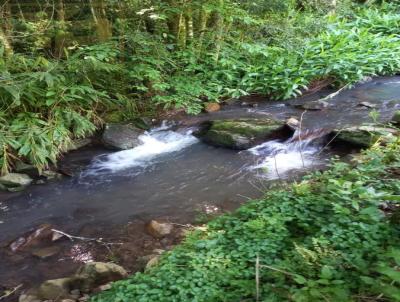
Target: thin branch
point(8, 294)
point(300, 138)
point(257, 278)
point(72, 238)
point(332, 95)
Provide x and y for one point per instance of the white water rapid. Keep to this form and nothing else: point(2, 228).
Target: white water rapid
point(280, 158)
point(155, 143)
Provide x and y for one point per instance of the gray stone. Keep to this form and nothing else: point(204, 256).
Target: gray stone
point(154, 260)
point(94, 274)
point(367, 105)
point(84, 298)
point(58, 289)
point(396, 118)
point(51, 175)
point(159, 230)
point(293, 123)
point(364, 136)
point(28, 298)
point(77, 143)
point(15, 180)
point(121, 136)
point(240, 134)
point(104, 287)
point(315, 105)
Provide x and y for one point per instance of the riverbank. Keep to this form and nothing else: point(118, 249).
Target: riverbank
point(333, 236)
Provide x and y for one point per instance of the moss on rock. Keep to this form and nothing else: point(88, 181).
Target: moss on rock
point(242, 133)
point(396, 117)
point(364, 136)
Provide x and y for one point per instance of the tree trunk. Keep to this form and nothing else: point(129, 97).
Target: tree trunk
point(181, 36)
point(60, 36)
point(103, 25)
point(202, 27)
point(219, 27)
point(189, 26)
point(6, 29)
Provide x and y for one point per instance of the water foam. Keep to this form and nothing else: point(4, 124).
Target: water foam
point(279, 158)
point(154, 144)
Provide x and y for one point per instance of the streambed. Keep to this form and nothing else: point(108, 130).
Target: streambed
point(172, 177)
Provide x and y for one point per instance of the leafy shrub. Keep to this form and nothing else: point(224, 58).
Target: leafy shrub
point(323, 239)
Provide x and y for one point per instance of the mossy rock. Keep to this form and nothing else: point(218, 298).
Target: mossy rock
point(12, 180)
point(364, 136)
point(396, 118)
point(241, 133)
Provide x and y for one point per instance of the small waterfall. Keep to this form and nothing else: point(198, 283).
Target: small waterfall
point(298, 152)
point(155, 143)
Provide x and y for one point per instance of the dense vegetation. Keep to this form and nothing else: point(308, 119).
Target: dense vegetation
point(332, 237)
point(60, 81)
point(66, 67)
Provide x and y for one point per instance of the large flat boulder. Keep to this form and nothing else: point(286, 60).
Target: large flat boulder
point(241, 134)
point(364, 136)
point(15, 180)
point(121, 136)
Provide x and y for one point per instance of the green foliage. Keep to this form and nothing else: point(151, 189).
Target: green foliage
point(323, 239)
point(45, 104)
point(158, 61)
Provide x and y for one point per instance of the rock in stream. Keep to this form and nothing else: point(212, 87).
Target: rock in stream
point(121, 136)
point(241, 134)
point(364, 136)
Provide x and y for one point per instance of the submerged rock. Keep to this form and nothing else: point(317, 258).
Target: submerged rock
point(11, 180)
point(367, 105)
point(364, 136)
point(212, 107)
point(159, 230)
point(121, 136)
point(46, 252)
point(241, 133)
point(315, 105)
point(43, 233)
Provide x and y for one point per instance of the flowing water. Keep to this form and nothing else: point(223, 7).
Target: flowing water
point(171, 176)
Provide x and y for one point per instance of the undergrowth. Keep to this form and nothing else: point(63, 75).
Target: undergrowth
point(332, 237)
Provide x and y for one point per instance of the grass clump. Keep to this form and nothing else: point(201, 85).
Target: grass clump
point(326, 238)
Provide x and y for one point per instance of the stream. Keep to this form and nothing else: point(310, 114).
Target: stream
point(171, 176)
